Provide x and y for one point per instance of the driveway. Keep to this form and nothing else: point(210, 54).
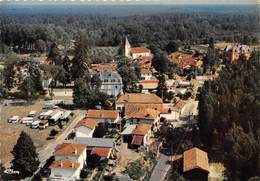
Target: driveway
point(161, 169)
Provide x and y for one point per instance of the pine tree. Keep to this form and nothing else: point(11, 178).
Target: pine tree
point(26, 159)
point(81, 60)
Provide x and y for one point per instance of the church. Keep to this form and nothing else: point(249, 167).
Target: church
point(135, 52)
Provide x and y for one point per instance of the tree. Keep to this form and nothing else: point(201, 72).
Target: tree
point(27, 88)
point(229, 117)
point(9, 76)
point(55, 55)
point(161, 63)
point(25, 156)
point(162, 90)
point(127, 72)
point(81, 60)
point(172, 46)
point(40, 45)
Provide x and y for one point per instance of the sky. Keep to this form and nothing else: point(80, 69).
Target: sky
point(146, 1)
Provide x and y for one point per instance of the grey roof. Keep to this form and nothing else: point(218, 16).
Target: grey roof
point(110, 75)
point(96, 142)
point(128, 130)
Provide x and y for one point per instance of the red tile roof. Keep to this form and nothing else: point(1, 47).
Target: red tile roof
point(130, 107)
point(67, 164)
point(89, 123)
point(102, 152)
point(102, 114)
point(140, 50)
point(144, 114)
point(144, 60)
point(137, 140)
point(103, 67)
point(195, 158)
point(142, 129)
point(69, 149)
point(139, 99)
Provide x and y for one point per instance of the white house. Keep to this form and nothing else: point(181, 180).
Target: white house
point(146, 74)
point(111, 83)
point(66, 170)
point(85, 128)
point(69, 160)
point(104, 116)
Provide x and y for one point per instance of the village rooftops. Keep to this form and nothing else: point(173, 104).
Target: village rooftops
point(102, 114)
point(179, 105)
point(95, 68)
point(102, 152)
point(144, 114)
point(89, 123)
point(69, 149)
point(142, 129)
point(96, 142)
point(139, 99)
point(140, 50)
point(195, 158)
point(66, 164)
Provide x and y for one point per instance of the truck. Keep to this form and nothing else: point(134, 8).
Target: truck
point(55, 117)
point(66, 116)
point(46, 115)
point(13, 119)
point(43, 124)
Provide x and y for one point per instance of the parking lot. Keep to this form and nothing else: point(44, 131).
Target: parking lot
point(11, 131)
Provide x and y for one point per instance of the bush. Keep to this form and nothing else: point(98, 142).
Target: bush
point(135, 170)
point(53, 132)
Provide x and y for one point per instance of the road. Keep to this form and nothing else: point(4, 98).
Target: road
point(48, 150)
point(161, 169)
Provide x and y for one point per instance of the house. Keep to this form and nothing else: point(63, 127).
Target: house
point(104, 116)
point(141, 135)
point(144, 116)
point(173, 112)
point(135, 52)
point(95, 142)
point(127, 102)
point(85, 128)
point(64, 170)
point(233, 52)
point(126, 134)
point(111, 83)
point(103, 153)
point(69, 160)
point(148, 85)
point(195, 164)
point(146, 74)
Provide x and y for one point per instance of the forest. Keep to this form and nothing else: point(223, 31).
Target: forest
point(36, 33)
point(229, 118)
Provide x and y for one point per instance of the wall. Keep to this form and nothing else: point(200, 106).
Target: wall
point(83, 131)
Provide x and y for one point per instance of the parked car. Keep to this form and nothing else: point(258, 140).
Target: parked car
point(35, 124)
point(32, 114)
point(14, 119)
point(27, 120)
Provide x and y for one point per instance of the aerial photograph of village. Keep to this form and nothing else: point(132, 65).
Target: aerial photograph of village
point(129, 90)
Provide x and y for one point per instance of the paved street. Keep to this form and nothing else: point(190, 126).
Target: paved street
point(161, 168)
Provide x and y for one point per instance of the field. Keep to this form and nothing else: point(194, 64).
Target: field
point(10, 131)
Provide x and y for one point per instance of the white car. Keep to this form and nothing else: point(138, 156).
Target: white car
point(11, 171)
point(14, 119)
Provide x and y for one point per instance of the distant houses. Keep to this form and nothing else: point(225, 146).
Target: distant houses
point(233, 52)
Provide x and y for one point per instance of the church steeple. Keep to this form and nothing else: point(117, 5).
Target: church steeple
point(127, 48)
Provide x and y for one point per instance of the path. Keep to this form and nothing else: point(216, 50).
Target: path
point(161, 169)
